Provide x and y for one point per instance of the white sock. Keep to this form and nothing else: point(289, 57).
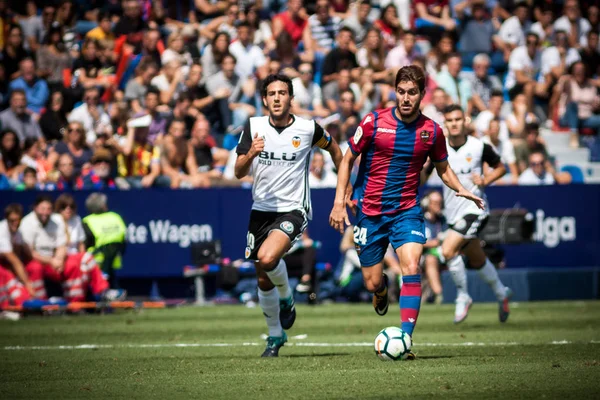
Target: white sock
point(457, 269)
point(279, 278)
point(269, 302)
point(489, 274)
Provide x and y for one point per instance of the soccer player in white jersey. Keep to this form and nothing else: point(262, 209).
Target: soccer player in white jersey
point(275, 150)
point(466, 155)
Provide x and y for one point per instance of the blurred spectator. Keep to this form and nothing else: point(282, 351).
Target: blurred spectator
point(103, 31)
point(476, 35)
point(105, 234)
point(430, 84)
point(29, 180)
point(504, 148)
point(435, 225)
point(458, 88)
point(590, 54)
point(533, 143)
point(18, 119)
point(66, 179)
point(369, 97)
point(557, 59)
point(524, 66)
point(225, 23)
point(65, 213)
point(287, 57)
point(493, 111)
point(169, 82)
point(513, 30)
point(359, 22)
point(139, 163)
point(33, 27)
point(33, 157)
point(183, 110)
point(544, 27)
point(372, 56)
point(131, 24)
point(53, 121)
point(13, 52)
point(347, 110)
point(519, 117)
point(340, 57)
point(213, 54)
point(432, 18)
point(10, 154)
point(308, 99)
point(404, 53)
point(136, 88)
point(194, 86)
point(36, 90)
point(91, 115)
point(12, 253)
point(53, 58)
point(294, 22)
point(482, 83)
point(99, 176)
point(74, 145)
point(209, 158)
point(332, 92)
point(250, 58)
point(176, 51)
point(240, 105)
point(434, 110)
point(319, 177)
point(324, 27)
point(574, 24)
point(150, 50)
point(177, 159)
point(263, 35)
point(87, 68)
point(389, 25)
point(158, 126)
point(541, 172)
point(578, 102)
point(436, 59)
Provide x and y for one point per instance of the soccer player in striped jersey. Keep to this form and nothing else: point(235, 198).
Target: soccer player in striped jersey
point(275, 149)
point(394, 144)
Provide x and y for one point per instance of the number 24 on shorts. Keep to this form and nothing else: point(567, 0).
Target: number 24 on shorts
point(360, 235)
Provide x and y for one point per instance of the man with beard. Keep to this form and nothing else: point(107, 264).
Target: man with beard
point(78, 273)
point(276, 149)
point(394, 144)
point(99, 177)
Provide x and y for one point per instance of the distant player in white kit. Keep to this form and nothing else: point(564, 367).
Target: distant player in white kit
point(466, 155)
point(275, 150)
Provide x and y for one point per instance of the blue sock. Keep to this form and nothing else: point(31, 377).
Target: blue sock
point(410, 302)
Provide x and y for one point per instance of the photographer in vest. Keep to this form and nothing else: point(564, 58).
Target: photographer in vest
point(105, 235)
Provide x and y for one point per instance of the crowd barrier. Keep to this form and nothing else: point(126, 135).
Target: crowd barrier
point(161, 225)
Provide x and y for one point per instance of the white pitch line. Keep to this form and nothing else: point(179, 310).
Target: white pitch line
point(299, 344)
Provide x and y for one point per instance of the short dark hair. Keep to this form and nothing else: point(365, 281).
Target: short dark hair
point(532, 126)
point(176, 121)
point(230, 56)
point(29, 170)
point(243, 24)
point(274, 78)
point(152, 90)
point(497, 93)
point(411, 73)
point(451, 108)
point(63, 201)
point(346, 29)
point(42, 198)
point(18, 91)
point(103, 15)
point(532, 33)
point(13, 208)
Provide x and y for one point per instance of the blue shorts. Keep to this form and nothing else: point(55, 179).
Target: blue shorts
point(372, 235)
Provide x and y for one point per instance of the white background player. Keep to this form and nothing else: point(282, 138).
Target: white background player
point(466, 155)
point(276, 150)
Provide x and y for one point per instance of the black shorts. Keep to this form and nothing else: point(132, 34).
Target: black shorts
point(470, 225)
point(262, 223)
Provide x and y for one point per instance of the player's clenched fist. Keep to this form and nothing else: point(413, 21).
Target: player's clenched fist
point(258, 145)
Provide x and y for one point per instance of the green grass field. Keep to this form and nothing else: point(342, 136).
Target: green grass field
point(545, 350)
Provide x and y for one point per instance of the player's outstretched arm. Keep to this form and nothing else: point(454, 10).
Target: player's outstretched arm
point(339, 216)
point(245, 157)
point(451, 180)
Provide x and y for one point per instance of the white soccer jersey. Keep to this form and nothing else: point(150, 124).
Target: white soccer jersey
point(7, 239)
point(465, 161)
point(280, 171)
point(40, 238)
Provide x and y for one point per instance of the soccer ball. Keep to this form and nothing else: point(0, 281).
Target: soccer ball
point(392, 344)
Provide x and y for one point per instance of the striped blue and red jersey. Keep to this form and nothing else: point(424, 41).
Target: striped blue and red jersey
point(393, 154)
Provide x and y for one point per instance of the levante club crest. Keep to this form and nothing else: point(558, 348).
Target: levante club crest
point(425, 136)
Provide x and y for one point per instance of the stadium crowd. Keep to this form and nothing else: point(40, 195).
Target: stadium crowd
point(118, 94)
